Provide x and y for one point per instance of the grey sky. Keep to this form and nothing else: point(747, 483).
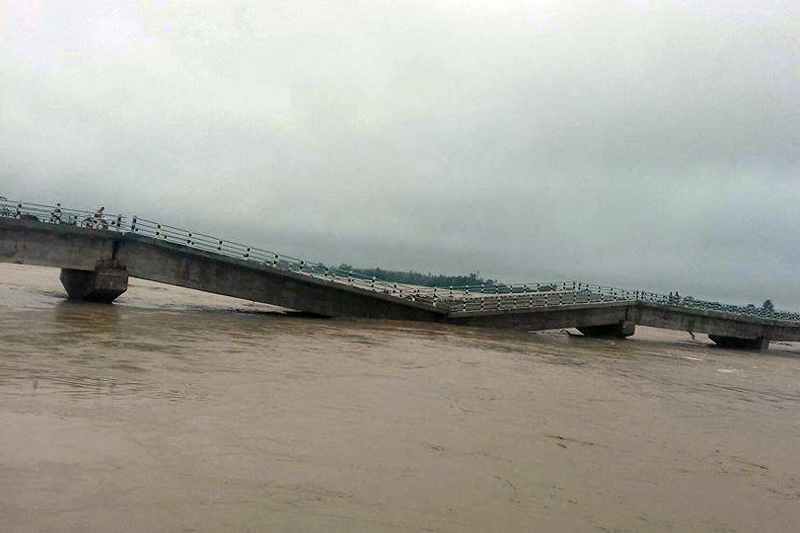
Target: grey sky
point(650, 144)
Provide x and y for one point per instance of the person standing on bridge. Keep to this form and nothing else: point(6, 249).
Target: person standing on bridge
point(55, 216)
point(99, 223)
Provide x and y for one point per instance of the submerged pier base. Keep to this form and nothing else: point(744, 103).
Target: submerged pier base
point(100, 285)
point(621, 329)
point(759, 343)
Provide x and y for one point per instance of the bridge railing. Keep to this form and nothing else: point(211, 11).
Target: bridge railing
point(527, 296)
point(504, 297)
point(61, 215)
point(201, 241)
point(471, 298)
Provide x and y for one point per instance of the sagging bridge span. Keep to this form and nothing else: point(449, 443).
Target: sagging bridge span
point(96, 259)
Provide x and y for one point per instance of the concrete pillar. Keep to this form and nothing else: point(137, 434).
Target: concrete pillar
point(100, 285)
point(759, 343)
point(623, 328)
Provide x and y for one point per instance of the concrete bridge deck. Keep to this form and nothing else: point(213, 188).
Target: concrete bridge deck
point(96, 264)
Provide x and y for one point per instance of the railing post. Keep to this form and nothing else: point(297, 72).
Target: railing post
point(133, 224)
point(275, 261)
point(19, 211)
point(247, 254)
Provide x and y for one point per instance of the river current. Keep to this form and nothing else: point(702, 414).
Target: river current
point(175, 410)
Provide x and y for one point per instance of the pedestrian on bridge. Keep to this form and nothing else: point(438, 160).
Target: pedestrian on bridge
point(99, 223)
point(55, 215)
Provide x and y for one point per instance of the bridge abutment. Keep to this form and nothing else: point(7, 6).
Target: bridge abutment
point(99, 285)
point(760, 343)
point(621, 329)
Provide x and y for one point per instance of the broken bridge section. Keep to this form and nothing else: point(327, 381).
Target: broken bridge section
point(96, 265)
point(97, 258)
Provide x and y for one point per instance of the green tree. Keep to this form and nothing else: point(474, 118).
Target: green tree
point(768, 306)
point(417, 278)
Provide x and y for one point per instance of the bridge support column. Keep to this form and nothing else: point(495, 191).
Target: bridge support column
point(759, 343)
point(99, 285)
point(623, 328)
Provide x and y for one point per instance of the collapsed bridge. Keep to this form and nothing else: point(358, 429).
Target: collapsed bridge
point(97, 257)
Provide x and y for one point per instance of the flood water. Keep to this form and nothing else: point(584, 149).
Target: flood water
point(174, 410)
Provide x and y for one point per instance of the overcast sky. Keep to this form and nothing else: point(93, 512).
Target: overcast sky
point(644, 144)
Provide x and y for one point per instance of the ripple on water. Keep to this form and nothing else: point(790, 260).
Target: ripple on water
point(138, 346)
point(81, 386)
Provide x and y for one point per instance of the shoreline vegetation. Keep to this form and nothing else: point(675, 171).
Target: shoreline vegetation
point(412, 277)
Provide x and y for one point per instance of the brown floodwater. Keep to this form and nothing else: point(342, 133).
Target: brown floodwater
point(174, 410)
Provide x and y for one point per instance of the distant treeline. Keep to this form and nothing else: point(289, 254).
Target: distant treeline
point(417, 278)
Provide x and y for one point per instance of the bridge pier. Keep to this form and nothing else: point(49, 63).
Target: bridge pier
point(723, 341)
point(623, 328)
point(99, 285)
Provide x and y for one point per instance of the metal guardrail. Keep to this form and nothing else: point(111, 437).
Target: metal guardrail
point(60, 215)
point(462, 299)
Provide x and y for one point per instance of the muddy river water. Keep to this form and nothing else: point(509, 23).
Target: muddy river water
point(174, 410)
